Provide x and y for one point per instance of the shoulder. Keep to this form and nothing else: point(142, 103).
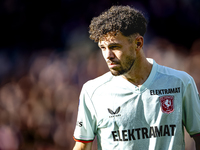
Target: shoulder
point(173, 73)
point(91, 85)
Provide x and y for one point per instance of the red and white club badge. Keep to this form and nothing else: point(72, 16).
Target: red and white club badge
point(167, 104)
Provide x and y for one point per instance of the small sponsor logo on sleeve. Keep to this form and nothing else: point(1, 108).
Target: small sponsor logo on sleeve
point(79, 123)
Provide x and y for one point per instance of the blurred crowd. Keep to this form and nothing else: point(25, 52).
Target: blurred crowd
point(38, 109)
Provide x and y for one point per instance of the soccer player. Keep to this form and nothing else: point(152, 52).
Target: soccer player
point(138, 104)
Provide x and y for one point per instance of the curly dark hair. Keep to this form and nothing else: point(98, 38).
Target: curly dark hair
point(125, 19)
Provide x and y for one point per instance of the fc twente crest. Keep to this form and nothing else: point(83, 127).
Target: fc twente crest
point(167, 104)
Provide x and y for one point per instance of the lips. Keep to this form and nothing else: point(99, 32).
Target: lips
point(112, 64)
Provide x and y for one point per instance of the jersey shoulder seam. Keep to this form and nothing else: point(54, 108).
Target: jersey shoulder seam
point(176, 73)
point(94, 84)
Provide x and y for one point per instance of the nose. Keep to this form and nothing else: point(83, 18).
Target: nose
point(108, 54)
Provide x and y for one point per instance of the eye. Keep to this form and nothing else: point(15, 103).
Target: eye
point(114, 47)
point(102, 48)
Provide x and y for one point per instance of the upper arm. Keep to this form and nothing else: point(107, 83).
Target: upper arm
point(86, 120)
point(82, 146)
point(191, 108)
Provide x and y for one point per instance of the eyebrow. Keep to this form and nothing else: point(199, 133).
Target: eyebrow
point(114, 44)
point(100, 45)
point(111, 44)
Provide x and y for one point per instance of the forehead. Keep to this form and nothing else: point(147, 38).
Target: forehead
point(112, 39)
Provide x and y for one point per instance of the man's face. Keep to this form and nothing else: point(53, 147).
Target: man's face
point(118, 52)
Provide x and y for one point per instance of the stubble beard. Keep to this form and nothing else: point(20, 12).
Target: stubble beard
point(123, 67)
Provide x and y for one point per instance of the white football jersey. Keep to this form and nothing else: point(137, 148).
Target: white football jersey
point(150, 117)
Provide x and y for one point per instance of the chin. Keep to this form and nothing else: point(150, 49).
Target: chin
point(116, 73)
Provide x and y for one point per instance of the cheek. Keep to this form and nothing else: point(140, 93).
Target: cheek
point(105, 55)
point(119, 55)
point(128, 58)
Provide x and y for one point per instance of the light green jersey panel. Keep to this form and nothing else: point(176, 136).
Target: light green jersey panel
point(150, 117)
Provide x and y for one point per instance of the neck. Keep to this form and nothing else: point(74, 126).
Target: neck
point(139, 72)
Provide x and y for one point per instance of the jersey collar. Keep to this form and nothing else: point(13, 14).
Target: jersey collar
point(121, 81)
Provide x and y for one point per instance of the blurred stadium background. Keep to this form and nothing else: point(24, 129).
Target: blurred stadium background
point(46, 56)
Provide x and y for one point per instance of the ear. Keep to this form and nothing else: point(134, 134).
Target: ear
point(139, 41)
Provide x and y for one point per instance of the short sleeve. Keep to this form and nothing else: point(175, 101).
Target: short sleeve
point(191, 108)
point(86, 120)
